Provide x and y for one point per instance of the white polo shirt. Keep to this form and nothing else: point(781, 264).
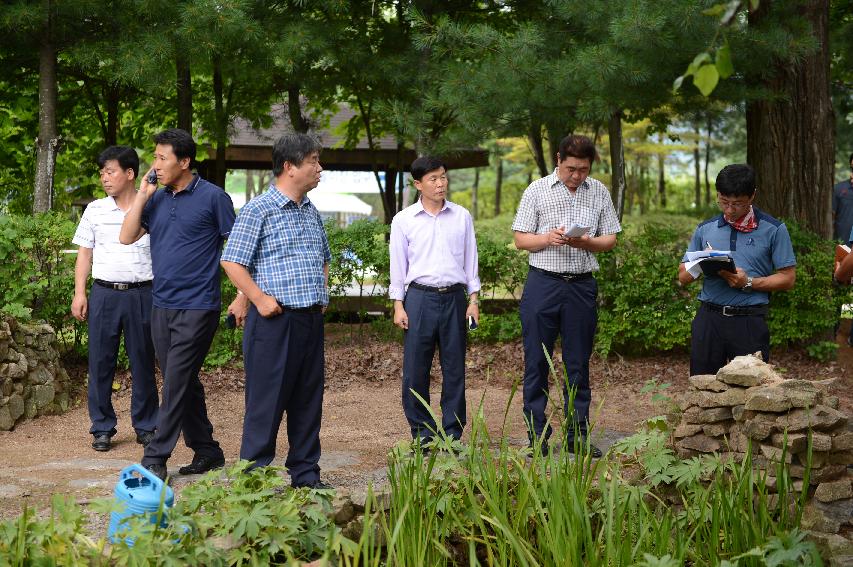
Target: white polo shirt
point(112, 261)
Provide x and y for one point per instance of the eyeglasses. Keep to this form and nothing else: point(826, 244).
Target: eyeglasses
point(733, 205)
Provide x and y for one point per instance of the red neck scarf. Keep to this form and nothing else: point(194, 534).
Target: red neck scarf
point(747, 223)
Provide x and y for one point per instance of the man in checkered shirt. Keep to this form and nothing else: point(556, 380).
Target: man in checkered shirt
point(278, 257)
point(560, 293)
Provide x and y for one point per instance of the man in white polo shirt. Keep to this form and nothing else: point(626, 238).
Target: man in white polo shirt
point(119, 302)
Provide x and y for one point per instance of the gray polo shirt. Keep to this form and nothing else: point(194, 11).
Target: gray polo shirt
point(761, 252)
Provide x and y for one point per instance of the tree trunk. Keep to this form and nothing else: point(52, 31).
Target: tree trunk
point(390, 194)
point(644, 193)
point(617, 161)
point(221, 121)
point(555, 136)
point(474, 189)
point(791, 143)
point(48, 139)
point(707, 162)
point(113, 94)
point(498, 185)
point(661, 182)
point(697, 166)
point(535, 137)
point(250, 185)
point(294, 109)
point(184, 92)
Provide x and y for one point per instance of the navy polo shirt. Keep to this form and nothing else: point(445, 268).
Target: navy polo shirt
point(842, 208)
point(759, 253)
point(187, 230)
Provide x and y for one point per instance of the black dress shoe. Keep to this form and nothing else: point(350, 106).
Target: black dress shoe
point(101, 442)
point(582, 447)
point(158, 470)
point(202, 464)
point(314, 485)
point(144, 437)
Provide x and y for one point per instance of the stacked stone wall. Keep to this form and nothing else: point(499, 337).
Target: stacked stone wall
point(747, 404)
point(32, 380)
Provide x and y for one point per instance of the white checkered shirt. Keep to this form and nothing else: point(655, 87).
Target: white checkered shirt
point(112, 261)
point(548, 204)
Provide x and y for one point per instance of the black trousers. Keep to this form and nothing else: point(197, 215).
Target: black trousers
point(716, 339)
point(182, 338)
point(550, 306)
point(113, 313)
point(284, 362)
point(435, 319)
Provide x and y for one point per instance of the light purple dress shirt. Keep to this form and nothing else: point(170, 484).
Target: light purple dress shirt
point(438, 250)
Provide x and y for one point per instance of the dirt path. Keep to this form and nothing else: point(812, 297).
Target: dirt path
point(362, 416)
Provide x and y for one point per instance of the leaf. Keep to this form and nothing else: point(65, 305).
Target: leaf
point(706, 79)
point(698, 61)
point(724, 62)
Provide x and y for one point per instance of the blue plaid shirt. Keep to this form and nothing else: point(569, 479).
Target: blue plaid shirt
point(284, 247)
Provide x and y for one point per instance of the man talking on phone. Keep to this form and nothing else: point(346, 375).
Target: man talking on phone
point(435, 288)
point(560, 292)
point(187, 221)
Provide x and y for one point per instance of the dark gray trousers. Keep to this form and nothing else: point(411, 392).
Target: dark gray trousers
point(182, 338)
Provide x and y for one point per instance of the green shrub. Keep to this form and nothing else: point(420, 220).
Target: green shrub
point(36, 275)
point(500, 328)
point(359, 253)
point(641, 306)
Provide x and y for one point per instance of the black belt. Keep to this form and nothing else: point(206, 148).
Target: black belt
point(565, 276)
point(445, 289)
point(316, 308)
point(122, 286)
point(734, 311)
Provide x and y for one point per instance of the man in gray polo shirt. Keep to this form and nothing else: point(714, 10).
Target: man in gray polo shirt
point(730, 320)
point(560, 292)
point(119, 302)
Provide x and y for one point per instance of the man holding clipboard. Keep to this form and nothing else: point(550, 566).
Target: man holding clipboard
point(731, 318)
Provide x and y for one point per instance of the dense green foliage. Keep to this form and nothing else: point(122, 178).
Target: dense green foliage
point(36, 274)
point(468, 504)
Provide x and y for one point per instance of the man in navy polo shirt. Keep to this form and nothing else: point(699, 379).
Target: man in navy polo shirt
point(731, 318)
point(187, 222)
point(278, 257)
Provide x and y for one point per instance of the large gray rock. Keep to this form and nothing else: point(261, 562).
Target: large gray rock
point(700, 442)
point(775, 455)
point(774, 400)
point(43, 395)
point(834, 490)
point(821, 418)
point(747, 371)
point(6, 421)
point(796, 442)
point(697, 415)
point(707, 382)
point(843, 441)
point(759, 428)
point(16, 406)
point(39, 375)
point(686, 430)
point(716, 429)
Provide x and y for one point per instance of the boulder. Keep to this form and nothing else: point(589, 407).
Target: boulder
point(699, 442)
point(797, 442)
point(843, 441)
point(834, 490)
point(686, 430)
point(759, 428)
point(715, 429)
point(774, 400)
point(16, 406)
point(6, 421)
point(774, 454)
point(707, 382)
point(821, 418)
point(701, 416)
point(747, 371)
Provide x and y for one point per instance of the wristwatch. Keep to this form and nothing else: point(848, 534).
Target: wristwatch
point(748, 286)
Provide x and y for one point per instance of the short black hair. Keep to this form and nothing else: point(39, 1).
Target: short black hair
point(851, 158)
point(736, 180)
point(126, 157)
point(424, 165)
point(293, 148)
point(579, 147)
point(182, 143)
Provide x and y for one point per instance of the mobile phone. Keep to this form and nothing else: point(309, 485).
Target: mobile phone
point(231, 321)
point(472, 324)
point(152, 177)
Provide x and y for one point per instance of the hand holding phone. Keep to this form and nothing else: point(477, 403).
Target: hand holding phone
point(151, 177)
point(472, 323)
point(231, 321)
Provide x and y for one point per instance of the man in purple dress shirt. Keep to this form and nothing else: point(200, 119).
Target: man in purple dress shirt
point(434, 285)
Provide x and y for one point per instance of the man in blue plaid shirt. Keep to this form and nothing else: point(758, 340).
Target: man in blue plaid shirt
point(278, 258)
